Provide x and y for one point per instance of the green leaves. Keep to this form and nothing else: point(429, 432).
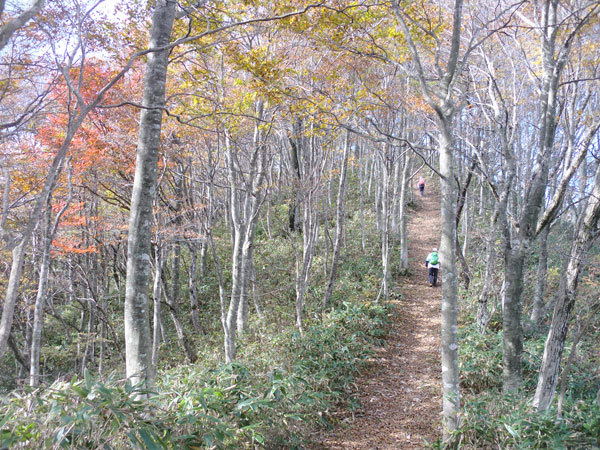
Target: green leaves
point(231, 406)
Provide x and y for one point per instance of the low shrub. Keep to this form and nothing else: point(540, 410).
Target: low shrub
point(494, 421)
point(230, 406)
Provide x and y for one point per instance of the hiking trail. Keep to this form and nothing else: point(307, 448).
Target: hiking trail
point(400, 391)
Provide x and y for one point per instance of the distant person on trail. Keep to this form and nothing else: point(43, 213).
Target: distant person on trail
point(433, 264)
point(421, 184)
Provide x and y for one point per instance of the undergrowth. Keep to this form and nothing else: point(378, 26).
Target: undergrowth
point(491, 419)
point(260, 402)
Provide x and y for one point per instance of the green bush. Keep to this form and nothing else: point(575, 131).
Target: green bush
point(493, 421)
point(231, 406)
point(480, 359)
point(84, 413)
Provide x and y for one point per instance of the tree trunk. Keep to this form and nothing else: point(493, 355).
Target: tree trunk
point(156, 296)
point(396, 194)
point(466, 227)
point(540, 281)
point(586, 233)
point(38, 314)
point(403, 217)
point(245, 198)
point(385, 199)
point(483, 314)
point(362, 179)
point(511, 318)
point(234, 302)
point(10, 297)
point(203, 250)
point(253, 198)
point(192, 282)
point(450, 369)
point(295, 143)
point(571, 359)
point(138, 337)
point(339, 221)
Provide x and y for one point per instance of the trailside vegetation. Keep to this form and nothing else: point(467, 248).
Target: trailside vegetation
point(204, 211)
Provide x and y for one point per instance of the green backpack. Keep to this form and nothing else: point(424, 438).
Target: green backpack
point(433, 260)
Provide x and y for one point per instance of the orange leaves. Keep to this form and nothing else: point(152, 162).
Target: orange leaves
point(417, 104)
point(75, 223)
point(65, 246)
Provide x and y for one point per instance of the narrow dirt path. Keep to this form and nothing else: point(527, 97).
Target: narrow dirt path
point(400, 393)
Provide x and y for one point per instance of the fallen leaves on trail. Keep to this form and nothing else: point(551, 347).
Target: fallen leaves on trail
point(400, 392)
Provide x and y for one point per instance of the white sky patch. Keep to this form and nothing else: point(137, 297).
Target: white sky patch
point(106, 6)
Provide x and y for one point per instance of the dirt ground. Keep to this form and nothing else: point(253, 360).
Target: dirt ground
point(400, 392)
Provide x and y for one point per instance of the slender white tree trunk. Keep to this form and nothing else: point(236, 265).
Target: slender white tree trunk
point(339, 221)
point(38, 314)
point(309, 233)
point(385, 224)
point(396, 194)
point(157, 297)
point(403, 217)
point(246, 197)
point(40, 301)
point(362, 173)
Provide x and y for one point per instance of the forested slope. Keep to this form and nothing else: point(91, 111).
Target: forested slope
point(206, 207)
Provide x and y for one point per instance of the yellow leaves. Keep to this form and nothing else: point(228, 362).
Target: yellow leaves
point(256, 61)
point(23, 182)
point(393, 32)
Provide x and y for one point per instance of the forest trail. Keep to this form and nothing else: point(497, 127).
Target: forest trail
point(400, 392)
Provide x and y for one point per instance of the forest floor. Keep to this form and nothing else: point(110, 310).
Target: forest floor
point(400, 392)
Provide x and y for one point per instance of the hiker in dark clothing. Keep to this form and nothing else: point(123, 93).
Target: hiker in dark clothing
point(433, 264)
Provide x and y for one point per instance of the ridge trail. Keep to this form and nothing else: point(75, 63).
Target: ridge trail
point(400, 392)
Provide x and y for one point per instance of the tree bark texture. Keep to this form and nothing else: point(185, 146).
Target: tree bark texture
point(138, 337)
point(450, 368)
point(516, 250)
point(386, 189)
point(440, 99)
point(38, 313)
